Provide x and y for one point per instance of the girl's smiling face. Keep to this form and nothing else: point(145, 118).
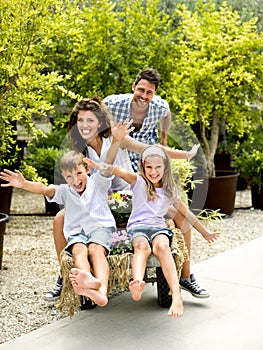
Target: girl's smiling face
point(88, 125)
point(154, 170)
point(77, 178)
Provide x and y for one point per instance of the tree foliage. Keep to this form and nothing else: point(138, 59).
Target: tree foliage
point(210, 59)
point(219, 73)
point(24, 89)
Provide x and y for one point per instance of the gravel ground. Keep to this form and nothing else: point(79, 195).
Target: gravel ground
point(30, 266)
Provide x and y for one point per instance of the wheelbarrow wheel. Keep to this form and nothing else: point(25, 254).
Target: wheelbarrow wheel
point(163, 290)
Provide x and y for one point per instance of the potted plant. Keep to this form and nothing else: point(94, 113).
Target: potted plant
point(216, 80)
point(249, 161)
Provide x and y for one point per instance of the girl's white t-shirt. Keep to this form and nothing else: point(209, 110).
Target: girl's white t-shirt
point(148, 213)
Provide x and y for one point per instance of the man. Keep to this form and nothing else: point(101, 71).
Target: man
point(149, 112)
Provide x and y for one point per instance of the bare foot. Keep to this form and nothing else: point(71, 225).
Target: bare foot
point(176, 309)
point(83, 279)
point(85, 284)
point(94, 294)
point(136, 288)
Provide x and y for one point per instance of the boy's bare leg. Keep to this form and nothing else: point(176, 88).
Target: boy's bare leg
point(162, 251)
point(100, 265)
point(142, 252)
point(83, 282)
point(80, 280)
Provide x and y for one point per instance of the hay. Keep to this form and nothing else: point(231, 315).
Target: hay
point(119, 271)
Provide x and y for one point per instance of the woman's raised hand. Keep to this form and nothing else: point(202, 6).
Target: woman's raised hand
point(121, 130)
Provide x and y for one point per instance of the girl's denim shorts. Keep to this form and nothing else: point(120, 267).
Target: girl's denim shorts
point(150, 232)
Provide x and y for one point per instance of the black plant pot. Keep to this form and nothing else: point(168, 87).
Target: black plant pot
point(215, 193)
point(5, 199)
point(3, 219)
point(257, 196)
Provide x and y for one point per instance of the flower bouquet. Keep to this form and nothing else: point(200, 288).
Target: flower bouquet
point(120, 205)
point(120, 243)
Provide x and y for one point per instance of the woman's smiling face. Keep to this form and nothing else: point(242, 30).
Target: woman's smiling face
point(88, 125)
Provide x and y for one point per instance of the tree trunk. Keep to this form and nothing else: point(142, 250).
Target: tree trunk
point(210, 146)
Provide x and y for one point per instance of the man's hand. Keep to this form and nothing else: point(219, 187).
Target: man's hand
point(15, 179)
point(193, 151)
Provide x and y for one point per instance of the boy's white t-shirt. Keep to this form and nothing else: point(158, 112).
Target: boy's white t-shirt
point(88, 211)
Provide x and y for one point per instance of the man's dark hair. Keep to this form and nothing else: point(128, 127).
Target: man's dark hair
point(149, 74)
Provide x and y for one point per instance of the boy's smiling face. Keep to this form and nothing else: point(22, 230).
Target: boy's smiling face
point(77, 178)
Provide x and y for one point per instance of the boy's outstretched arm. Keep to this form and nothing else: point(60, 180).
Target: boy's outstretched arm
point(16, 179)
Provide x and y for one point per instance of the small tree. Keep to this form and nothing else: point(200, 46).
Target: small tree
point(25, 88)
point(219, 74)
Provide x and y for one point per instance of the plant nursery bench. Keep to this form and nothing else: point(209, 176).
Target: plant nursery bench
point(120, 274)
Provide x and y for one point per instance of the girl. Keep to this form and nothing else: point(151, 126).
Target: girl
point(154, 191)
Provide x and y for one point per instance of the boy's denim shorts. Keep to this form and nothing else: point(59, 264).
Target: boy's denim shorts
point(100, 236)
point(150, 232)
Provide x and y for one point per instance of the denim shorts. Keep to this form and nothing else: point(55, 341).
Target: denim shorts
point(150, 232)
point(100, 236)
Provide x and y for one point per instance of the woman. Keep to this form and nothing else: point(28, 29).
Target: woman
point(90, 134)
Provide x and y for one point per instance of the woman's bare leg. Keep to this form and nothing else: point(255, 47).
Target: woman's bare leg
point(59, 239)
point(185, 227)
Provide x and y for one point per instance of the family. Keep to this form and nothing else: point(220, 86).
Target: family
point(114, 147)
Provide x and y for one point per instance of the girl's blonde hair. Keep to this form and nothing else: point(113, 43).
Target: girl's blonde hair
point(168, 183)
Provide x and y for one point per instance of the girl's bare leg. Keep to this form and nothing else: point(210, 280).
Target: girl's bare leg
point(162, 251)
point(142, 252)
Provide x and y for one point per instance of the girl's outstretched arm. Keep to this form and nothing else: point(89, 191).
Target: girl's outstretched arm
point(109, 169)
point(16, 179)
point(195, 222)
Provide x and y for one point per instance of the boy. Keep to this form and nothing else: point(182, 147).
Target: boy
point(88, 220)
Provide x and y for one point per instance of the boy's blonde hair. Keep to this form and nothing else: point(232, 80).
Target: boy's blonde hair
point(168, 183)
point(71, 160)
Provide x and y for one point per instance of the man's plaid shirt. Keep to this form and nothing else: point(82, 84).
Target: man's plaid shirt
point(120, 107)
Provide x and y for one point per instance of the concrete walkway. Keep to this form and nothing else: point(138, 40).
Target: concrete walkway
point(231, 319)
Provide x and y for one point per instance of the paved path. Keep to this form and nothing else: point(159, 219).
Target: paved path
point(230, 320)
